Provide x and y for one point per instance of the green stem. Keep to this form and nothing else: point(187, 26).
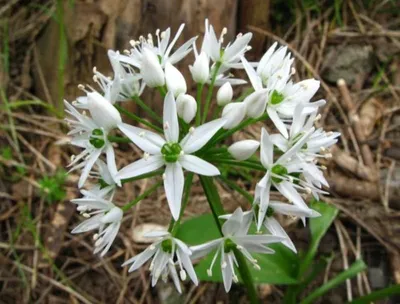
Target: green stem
point(137, 118)
point(233, 162)
point(162, 91)
point(357, 267)
point(118, 139)
point(174, 225)
point(210, 91)
point(214, 201)
point(142, 196)
point(200, 87)
point(149, 111)
point(238, 189)
point(143, 176)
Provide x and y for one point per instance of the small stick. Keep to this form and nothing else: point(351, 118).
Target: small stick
point(344, 251)
point(355, 121)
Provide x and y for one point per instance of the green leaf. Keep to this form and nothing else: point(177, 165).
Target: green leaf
point(318, 226)
point(198, 230)
point(278, 268)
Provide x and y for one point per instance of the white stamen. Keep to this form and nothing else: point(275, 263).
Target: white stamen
point(146, 156)
point(164, 176)
point(86, 215)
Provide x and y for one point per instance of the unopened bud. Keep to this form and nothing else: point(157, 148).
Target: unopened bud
point(186, 107)
point(243, 149)
point(175, 81)
point(224, 94)
point(200, 69)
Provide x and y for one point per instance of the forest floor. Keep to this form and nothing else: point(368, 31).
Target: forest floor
point(42, 262)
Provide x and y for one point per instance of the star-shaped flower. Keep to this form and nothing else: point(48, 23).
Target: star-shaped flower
point(171, 153)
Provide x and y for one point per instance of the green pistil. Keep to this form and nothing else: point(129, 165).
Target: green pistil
point(270, 212)
point(278, 170)
point(229, 245)
point(166, 245)
point(102, 183)
point(276, 98)
point(171, 152)
point(96, 139)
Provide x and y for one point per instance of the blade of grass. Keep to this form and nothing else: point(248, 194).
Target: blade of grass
point(357, 267)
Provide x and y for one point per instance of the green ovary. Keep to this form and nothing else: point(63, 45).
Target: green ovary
point(276, 97)
point(171, 152)
point(96, 139)
point(278, 170)
point(166, 245)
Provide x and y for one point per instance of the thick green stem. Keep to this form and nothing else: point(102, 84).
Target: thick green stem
point(238, 163)
point(137, 118)
point(162, 91)
point(214, 201)
point(200, 87)
point(247, 279)
point(148, 110)
point(210, 91)
point(142, 196)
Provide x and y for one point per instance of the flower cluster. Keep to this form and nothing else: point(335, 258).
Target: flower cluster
point(182, 141)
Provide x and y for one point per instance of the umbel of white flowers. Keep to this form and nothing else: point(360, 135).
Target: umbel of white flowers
point(187, 142)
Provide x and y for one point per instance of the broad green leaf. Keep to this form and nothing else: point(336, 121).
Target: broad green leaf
point(278, 268)
point(318, 227)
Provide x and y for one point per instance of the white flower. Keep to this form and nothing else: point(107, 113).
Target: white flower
point(103, 215)
point(279, 175)
point(163, 252)
point(233, 113)
point(275, 227)
point(168, 152)
point(243, 149)
point(272, 62)
point(224, 94)
point(176, 83)
point(316, 145)
point(162, 49)
point(280, 97)
point(229, 56)
point(235, 236)
point(91, 134)
point(201, 68)
point(151, 70)
point(186, 106)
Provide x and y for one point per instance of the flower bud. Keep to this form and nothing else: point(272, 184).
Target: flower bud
point(200, 69)
point(186, 107)
point(102, 111)
point(224, 94)
point(151, 70)
point(256, 103)
point(175, 81)
point(233, 113)
point(112, 216)
point(243, 149)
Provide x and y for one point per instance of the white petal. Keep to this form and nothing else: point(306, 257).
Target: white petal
point(173, 184)
point(254, 78)
point(187, 264)
point(175, 81)
point(141, 166)
point(275, 228)
point(170, 119)
point(287, 190)
point(111, 165)
point(204, 249)
point(195, 140)
point(138, 260)
point(197, 165)
point(146, 140)
point(227, 274)
point(156, 233)
point(277, 121)
point(233, 224)
point(93, 156)
point(267, 149)
point(102, 111)
point(175, 277)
